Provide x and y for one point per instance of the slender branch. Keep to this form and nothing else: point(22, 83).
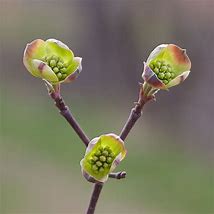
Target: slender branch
point(135, 113)
point(97, 190)
point(133, 117)
point(118, 175)
point(65, 112)
point(94, 198)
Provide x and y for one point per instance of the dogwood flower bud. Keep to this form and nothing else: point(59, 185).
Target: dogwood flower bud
point(167, 65)
point(102, 155)
point(52, 61)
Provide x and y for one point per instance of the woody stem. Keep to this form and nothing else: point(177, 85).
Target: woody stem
point(135, 113)
point(65, 112)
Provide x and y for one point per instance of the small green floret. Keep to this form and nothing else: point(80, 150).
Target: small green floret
point(105, 152)
point(101, 169)
point(95, 168)
point(102, 158)
point(52, 63)
point(56, 70)
point(109, 160)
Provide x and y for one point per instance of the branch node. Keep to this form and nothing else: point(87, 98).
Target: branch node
point(118, 175)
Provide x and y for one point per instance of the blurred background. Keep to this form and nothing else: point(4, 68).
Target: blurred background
point(170, 151)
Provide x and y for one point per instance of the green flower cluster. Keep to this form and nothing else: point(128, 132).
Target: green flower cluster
point(58, 66)
point(102, 156)
point(162, 70)
point(167, 65)
point(52, 61)
point(102, 159)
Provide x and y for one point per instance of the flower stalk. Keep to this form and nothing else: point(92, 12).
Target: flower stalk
point(66, 113)
point(94, 198)
point(136, 112)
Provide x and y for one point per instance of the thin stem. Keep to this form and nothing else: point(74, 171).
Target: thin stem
point(94, 197)
point(97, 190)
point(65, 112)
point(135, 113)
point(118, 175)
point(133, 117)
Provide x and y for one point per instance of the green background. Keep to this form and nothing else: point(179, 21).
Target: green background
point(170, 150)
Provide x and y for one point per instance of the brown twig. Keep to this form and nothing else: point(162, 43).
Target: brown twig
point(97, 190)
point(118, 175)
point(94, 197)
point(65, 112)
point(135, 113)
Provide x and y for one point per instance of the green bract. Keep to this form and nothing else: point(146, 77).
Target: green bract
point(52, 61)
point(167, 65)
point(102, 155)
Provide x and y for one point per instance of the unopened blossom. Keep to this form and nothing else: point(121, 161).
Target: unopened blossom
point(52, 61)
point(102, 155)
point(167, 65)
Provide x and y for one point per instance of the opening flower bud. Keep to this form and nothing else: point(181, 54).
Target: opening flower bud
point(103, 154)
point(167, 65)
point(52, 61)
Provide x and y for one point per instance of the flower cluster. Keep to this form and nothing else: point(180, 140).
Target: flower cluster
point(102, 159)
point(52, 61)
point(167, 65)
point(103, 154)
point(163, 71)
